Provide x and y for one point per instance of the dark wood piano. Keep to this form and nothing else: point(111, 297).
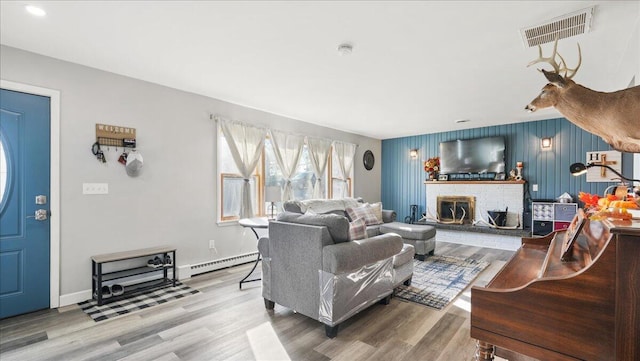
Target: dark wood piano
point(586, 307)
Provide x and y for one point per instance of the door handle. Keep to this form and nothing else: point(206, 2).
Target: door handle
point(40, 215)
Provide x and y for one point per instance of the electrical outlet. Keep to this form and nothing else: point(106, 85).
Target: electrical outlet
point(95, 188)
point(534, 187)
point(212, 244)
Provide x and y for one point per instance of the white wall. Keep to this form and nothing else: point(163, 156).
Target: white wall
point(628, 65)
point(173, 201)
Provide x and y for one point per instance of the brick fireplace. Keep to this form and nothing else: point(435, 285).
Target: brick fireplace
point(488, 196)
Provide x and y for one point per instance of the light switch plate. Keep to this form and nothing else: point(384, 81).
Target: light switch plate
point(95, 188)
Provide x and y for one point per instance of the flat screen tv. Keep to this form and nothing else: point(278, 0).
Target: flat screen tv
point(480, 155)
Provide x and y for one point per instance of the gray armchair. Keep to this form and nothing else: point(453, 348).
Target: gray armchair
point(304, 268)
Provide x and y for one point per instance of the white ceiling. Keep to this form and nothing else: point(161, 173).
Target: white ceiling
point(416, 66)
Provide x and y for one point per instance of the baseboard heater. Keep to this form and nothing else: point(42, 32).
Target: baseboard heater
point(221, 263)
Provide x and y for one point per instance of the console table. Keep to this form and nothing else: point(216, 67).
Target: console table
point(98, 276)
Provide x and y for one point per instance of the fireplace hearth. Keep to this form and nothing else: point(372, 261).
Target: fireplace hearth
point(453, 208)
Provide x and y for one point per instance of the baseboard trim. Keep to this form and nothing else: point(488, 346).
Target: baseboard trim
point(73, 298)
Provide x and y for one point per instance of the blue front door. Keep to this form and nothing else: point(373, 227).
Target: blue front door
point(24, 202)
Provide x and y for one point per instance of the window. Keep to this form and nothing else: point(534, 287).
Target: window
point(231, 183)
point(339, 188)
point(268, 174)
point(337, 184)
point(302, 182)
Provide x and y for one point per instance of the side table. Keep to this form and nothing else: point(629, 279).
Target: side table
point(253, 223)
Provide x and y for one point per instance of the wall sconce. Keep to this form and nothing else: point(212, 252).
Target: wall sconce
point(545, 143)
point(413, 153)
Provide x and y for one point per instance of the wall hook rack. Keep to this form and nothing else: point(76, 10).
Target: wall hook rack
point(115, 136)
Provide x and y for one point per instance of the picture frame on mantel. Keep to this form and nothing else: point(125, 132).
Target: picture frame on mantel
point(443, 177)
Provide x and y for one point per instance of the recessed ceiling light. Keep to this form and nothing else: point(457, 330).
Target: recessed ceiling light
point(34, 10)
point(463, 121)
point(345, 49)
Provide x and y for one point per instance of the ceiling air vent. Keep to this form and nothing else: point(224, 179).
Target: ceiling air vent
point(565, 26)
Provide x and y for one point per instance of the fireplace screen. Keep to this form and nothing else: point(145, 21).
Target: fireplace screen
point(459, 209)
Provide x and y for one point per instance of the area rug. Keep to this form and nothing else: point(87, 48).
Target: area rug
point(439, 279)
point(135, 302)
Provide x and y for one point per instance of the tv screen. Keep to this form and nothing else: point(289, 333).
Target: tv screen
point(480, 155)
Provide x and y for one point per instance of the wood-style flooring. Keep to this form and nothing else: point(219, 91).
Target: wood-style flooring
point(225, 323)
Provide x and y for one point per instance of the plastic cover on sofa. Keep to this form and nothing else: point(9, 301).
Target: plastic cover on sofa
point(355, 291)
point(266, 275)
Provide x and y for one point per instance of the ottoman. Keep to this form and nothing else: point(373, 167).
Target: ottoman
point(421, 237)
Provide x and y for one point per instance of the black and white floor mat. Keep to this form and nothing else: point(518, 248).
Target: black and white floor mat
point(135, 302)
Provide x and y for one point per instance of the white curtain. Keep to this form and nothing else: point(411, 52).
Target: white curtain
point(319, 152)
point(245, 143)
point(344, 153)
point(287, 149)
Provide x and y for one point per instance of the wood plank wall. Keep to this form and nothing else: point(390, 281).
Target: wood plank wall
point(402, 177)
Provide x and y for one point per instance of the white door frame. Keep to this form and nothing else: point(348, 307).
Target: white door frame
point(54, 196)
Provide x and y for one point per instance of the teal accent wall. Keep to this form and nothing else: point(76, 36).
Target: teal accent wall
point(403, 177)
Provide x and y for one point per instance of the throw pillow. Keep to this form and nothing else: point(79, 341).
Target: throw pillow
point(292, 206)
point(338, 226)
point(364, 212)
point(357, 230)
point(377, 210)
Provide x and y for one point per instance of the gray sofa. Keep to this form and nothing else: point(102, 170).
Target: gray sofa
point(337, 206)
point(310, 266)
point(421, 236)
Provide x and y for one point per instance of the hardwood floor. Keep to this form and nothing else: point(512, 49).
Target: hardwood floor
point(225, 323)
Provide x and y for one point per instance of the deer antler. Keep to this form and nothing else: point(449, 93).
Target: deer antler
point(493, 224)
point(430, 217)
point(464, 214)
point(558, 68)
point(551, 60)
point(573, 71)
point(453, 216)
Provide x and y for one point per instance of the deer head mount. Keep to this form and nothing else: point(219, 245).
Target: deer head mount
point(615, 116)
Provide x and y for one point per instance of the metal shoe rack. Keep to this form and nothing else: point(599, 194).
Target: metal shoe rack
point(134, 265)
